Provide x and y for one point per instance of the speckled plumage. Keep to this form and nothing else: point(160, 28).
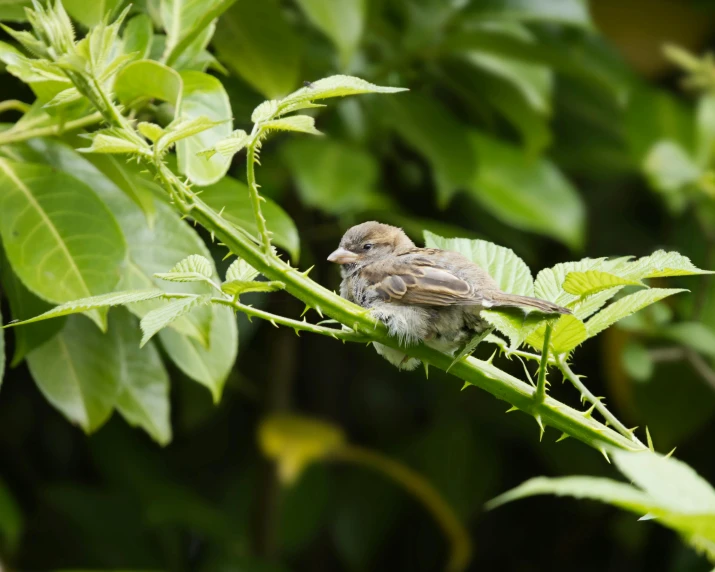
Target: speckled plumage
point(422, 294)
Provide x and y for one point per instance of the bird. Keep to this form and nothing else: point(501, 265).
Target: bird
point(422, 295)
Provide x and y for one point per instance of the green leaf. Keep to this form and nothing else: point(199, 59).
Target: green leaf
point(661, 264)
point(241, 270)
point(126, 177)
point(14, 10)
point(138, 36)
point(567, 333)
point(11, 519)
point(515, 323)
point(93, 12)
point(594, 281)
point(534, 82)
point(332, 176)
point(669, 167)
point(229, 146)
point(432, 129)
point(572, 12)
point(342, 21)
point(183, 128)
point(549, 281)
point(592, 488)
point(161, 317)
point(705, 128)
point(151, 248)
point(669, 481)
point(694, 335)
point(24, 304)
point(636, 361)
point(144, 384)
point(674, 494)
point(655, 115)
point(230, 197)
point(333, 86)
point(254, 40)
point(95, 302)
point(204, 96)
point(113, 141)
point(627, 306)
point(209, 366)
point(195, 268)
point(151, 131)
point(61, 249)
point(300, 123)
point(526, 192)
point(78, 373)
point(147, 79)
point(510, 272)
point(185, 20)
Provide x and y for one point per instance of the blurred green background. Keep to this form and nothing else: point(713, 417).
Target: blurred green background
point(554, 127)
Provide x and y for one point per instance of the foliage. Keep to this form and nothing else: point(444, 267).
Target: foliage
point(130, 138)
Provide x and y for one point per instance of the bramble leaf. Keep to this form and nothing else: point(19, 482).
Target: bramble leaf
point(164, 315)
point(627, 306)
point(195, 268)
point(300, 123)
point(241, 270)
point(95, 302)
point(594, 281)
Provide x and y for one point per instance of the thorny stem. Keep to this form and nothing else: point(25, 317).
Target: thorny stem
point(595, 401)
point(540, 394)
point(444, 515)
point(297, 325)
point(256, 197)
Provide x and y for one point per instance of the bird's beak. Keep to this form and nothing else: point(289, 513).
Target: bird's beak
point(342, 256)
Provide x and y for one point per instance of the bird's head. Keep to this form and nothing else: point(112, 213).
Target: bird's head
point(368, 242)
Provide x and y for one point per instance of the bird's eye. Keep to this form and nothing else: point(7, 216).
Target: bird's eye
point(367, 246)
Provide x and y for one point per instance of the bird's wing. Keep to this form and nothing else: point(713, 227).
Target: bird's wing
point(419, 279)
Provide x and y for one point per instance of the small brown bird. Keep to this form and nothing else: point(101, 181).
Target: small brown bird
point(422, 294)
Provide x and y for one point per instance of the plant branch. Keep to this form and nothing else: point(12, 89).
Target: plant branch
point(475, 372)
point(701, 367)
point(255, 197)
point(540, 394)
point(15, 136)
point(297, 325)
point(14, 105)
point(595, 401)
point(422, 490)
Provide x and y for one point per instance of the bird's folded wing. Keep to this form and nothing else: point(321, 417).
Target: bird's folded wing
point(420, 284)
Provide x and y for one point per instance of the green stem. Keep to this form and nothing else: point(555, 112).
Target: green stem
point(297, 325)
point(12, 136)
point(14, 105)
point(540, 394)
point(475, 372)
point(256, 197)
point(596, 402)
point(422, 490)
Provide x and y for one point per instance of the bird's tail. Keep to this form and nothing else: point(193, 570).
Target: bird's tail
point(514, 300)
